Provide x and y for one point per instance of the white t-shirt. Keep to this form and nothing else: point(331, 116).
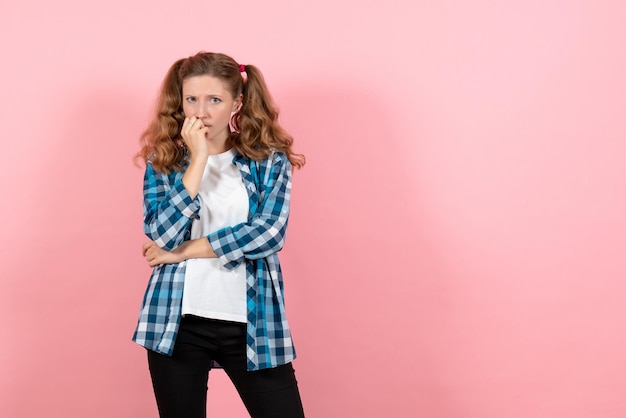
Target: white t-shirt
point(212, 291)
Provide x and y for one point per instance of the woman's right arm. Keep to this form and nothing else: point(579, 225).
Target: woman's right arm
point(170, 202)
point(168, 208)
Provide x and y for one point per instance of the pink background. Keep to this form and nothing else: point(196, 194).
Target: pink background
point(457, 241)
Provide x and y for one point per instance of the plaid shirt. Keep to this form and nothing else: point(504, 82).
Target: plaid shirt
point(168, 212)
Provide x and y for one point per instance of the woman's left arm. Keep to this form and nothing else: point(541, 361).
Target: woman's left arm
point(264, 234)
point(195, 248)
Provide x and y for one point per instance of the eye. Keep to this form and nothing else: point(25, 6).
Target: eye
point(216, 100)
point(190, 99)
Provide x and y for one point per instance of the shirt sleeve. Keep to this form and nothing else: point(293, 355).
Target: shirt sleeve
point(264, 233)
point(168, 208)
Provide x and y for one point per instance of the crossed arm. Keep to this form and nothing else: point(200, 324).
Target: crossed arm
point(195, 248)
point(169, 207)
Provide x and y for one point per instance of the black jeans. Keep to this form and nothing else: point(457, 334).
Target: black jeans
point(180, 381)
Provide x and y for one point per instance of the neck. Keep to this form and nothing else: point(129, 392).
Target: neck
point(216, 146)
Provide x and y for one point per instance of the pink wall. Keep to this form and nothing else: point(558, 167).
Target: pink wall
point(457, 241)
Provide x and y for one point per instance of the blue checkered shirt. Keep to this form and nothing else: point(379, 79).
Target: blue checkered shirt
point(168, 212)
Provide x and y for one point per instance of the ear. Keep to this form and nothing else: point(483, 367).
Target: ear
point(238, 103)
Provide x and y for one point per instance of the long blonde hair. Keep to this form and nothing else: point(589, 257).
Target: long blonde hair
point(257, 131)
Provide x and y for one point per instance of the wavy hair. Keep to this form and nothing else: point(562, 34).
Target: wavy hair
point(257, 132)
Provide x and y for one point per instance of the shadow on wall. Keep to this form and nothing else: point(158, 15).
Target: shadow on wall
point(361, 279)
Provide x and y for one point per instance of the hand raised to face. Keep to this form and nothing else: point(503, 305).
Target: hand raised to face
point(194, 134)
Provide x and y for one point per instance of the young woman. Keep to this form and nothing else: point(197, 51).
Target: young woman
point(216, 204)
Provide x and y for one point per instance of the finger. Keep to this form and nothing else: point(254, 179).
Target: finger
point(145, 247)
point(185, 128)
point(189, 122)
point(149, 249)
point(204, 130)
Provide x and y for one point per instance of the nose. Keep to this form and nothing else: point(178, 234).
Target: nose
point(202, 111)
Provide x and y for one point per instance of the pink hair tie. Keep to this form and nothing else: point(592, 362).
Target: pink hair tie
point(244, 74)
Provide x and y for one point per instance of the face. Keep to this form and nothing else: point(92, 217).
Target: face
point(207, 98)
